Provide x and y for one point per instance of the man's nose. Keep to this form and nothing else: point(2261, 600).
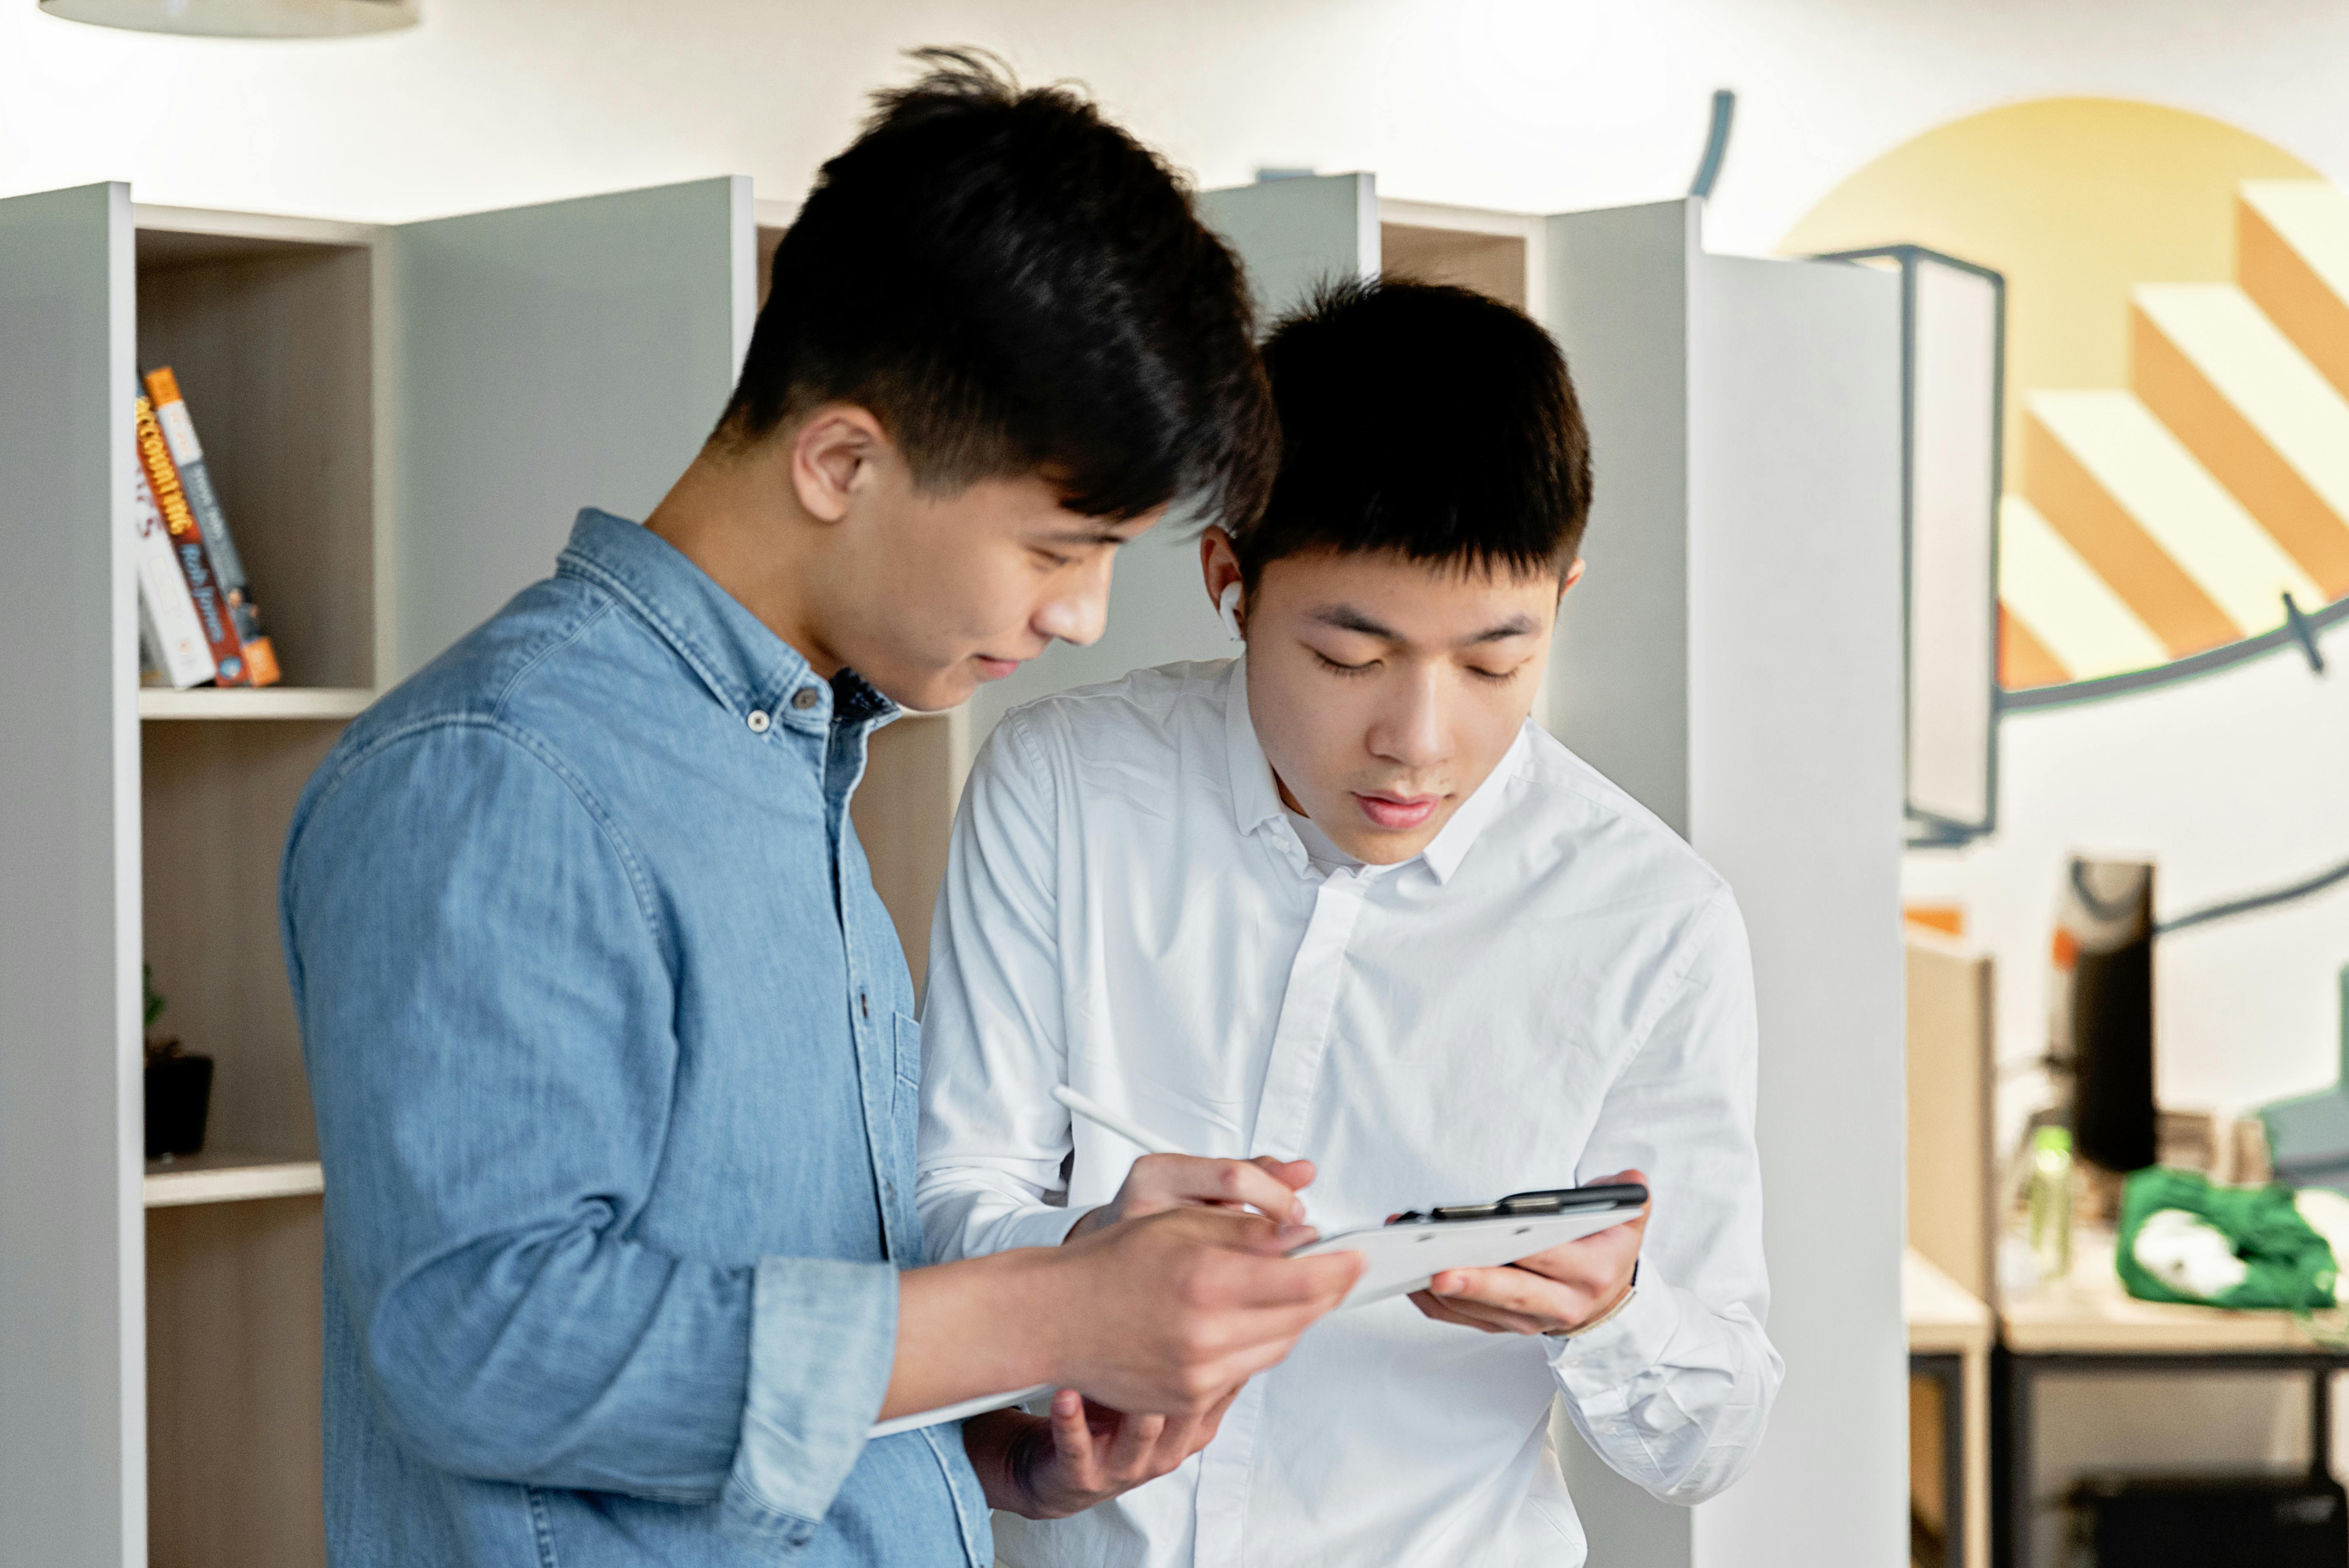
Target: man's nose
point(1410, 729)
point(1079, 612)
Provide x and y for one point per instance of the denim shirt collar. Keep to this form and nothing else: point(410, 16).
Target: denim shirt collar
point(748, 669)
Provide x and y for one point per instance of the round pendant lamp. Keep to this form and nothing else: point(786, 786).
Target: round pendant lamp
point(241, 18)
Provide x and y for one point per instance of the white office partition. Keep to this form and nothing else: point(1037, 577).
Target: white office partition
point(1296, 233)
point(1734, 660)
point(1957, 321)
point(1291, 234)
point(540, 359)
point(73, 1456)
point(1795, 797)
point(1620, 291)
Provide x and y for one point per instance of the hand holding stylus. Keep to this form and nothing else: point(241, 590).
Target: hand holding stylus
point(1165, 1178)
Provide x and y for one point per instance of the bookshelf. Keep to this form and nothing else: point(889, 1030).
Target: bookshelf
point(220, 1177)
point(401, 420)
point(329, 703)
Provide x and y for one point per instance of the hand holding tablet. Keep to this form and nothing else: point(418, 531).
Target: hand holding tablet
point(1410, 1250)
point(1407, 1252)
point(1403, 1255)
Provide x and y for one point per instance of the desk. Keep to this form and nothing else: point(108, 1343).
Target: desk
point(1949, 1336)
point(2087, 1323)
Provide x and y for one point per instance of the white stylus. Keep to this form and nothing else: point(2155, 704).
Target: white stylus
point(1102, 1116)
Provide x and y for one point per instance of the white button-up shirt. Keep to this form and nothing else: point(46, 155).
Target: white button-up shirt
point(1557, 989)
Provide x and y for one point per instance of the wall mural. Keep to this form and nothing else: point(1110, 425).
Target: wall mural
point(2174, 512)
point(2178, 376)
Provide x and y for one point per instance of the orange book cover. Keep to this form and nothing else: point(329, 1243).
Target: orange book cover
point(187, 455)
point(188, 548)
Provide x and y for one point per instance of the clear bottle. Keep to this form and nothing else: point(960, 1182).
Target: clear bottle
point(2051, 1202)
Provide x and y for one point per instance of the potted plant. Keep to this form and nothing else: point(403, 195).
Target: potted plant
point(178, 1088)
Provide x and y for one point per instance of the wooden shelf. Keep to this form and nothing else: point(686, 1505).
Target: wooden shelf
point(246, 702)
point(228, 1178)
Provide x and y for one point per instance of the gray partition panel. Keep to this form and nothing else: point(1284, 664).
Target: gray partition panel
point(1291, 234)
point(1294, 233)
point(541, 359)
point(1619, 288)
point(72, 1445)
point(1795, 799)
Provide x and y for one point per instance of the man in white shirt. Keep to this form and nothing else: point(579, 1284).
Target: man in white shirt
point(1338, 900)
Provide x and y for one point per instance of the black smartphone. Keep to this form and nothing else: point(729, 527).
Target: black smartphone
point(1554, 1201)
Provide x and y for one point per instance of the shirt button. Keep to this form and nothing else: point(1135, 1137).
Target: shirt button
point(758, 721)
point(803, 698)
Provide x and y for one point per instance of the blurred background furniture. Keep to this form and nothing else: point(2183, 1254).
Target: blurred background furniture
point(1950, 1333)
point(2086, 1324)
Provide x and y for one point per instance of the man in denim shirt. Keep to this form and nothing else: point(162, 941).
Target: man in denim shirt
point(610, 1039)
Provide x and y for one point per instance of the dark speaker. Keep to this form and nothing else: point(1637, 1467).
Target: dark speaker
point(2229, 1521)
point(2107, 925)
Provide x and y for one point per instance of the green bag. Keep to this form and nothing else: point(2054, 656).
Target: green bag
point(2287, 1266)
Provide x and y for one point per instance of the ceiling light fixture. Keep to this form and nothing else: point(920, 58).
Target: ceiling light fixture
point(241, 18)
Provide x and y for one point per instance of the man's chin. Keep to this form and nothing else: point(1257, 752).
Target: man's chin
point(930, 692)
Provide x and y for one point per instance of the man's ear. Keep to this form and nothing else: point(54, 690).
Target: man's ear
point(1573, 575)
point(833, 454)
point(1219, 565)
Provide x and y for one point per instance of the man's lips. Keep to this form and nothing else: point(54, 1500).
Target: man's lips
point(991, 668)
point(1397, 813)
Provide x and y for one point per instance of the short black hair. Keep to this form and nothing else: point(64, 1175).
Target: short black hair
point(1013, 285)
point(1422, 419)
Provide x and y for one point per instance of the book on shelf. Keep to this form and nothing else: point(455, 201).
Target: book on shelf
point(188, 547)
point(203, 500)
point(169, 630)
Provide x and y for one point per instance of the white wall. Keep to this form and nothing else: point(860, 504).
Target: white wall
point(1537, 105)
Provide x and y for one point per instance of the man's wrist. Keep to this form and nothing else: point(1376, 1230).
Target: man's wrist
point(1613, 1310)
point(1026, 1300)
point(973, 1327)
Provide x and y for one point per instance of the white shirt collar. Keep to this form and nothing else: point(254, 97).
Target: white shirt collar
point(1255, 795)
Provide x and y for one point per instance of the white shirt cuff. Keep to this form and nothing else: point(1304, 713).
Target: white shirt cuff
point(1038, 1227)
point(1598, 1367)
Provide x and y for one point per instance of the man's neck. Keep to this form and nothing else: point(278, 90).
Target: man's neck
point(736, 516)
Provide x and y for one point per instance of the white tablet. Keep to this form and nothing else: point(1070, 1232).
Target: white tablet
point(1404, 1255)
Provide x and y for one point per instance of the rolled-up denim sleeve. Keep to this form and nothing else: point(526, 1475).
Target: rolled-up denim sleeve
point(486, 993)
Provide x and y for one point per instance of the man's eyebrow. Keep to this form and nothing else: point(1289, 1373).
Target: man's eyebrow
point(1103, 533)
point(1347, 618)
point(1518, 625)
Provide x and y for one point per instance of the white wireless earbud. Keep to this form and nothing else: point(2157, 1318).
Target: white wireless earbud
point(1228, 606)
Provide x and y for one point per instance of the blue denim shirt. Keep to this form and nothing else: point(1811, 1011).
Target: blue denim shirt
point(613, 1053)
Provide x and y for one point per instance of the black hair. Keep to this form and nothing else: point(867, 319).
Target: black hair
point(1013, 285)
point(1430, 421)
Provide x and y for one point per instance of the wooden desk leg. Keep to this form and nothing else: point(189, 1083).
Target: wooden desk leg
point(2010, 1417)
point(1974, 1372)
point(2320, 1423)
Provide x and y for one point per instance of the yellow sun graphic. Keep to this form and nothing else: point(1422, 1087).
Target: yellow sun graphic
point(2177, 418)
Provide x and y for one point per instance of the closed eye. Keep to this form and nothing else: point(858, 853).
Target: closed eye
point(1334, 668)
